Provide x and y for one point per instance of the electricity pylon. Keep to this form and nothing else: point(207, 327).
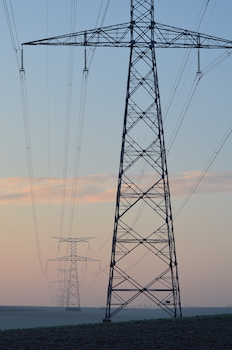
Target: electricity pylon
point(60, 292)
point(143, 258)
point(61, 295)
point(73, 294)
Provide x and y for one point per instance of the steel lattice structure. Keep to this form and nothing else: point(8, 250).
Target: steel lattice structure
point(143, 258)
point(73, 294)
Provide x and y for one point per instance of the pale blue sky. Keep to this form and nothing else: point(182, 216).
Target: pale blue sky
point(203, 228)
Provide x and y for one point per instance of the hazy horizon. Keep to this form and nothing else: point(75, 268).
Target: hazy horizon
point(202, 229)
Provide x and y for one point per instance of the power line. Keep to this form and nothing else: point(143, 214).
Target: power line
point(16, 47)
point(30, 163)
point(206, 168)
point(68, 114)
point(12, 30)
point(78, 147)
point(83, 97)
point(216, 62)
point(180, 76)
point(184, 112)
point(201, 15)
point(185, 61)
point(48, 127)
point(93, 50)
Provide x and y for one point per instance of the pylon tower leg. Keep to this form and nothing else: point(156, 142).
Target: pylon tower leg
point(143, 258)
point(73, 294)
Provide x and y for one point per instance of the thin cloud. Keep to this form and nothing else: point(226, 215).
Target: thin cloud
point(212, 182)
point(95, 188)
point(102, 187)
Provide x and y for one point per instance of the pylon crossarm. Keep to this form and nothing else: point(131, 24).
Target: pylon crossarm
point(105, 36)
point(71, 239)
point(164, 36)
point(73, 258)
point(174, 37)
point(82, 258)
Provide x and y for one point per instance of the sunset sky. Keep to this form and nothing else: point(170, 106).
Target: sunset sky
point(202, 227)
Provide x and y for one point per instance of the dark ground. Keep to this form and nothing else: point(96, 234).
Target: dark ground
point(203, 332)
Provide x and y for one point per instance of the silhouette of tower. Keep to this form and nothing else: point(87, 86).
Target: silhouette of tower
point(73, 294)
point(143, 227)
point(143, 257)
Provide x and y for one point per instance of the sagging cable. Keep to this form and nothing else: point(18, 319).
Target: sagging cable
point(29, 161)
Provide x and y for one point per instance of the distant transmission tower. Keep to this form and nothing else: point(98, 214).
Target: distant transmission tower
point(143, 258)
point(62, 287)
point(73, 294)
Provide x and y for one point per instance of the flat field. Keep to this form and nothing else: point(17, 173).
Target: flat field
point(202, 332)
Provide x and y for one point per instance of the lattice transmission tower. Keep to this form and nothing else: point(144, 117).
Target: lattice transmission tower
point(61, 290)
point(143, 258)
point(72, 293)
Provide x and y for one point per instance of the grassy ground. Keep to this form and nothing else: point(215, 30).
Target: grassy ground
point(203, 332)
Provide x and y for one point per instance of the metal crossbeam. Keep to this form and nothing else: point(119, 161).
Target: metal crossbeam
point(164, 36)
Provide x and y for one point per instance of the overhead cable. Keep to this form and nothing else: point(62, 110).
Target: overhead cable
point(19, 61)
point(30, 163)
point(183, 65)
point(68, 115)
point(206, 168)
point(12, 30)
point(79, 134)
